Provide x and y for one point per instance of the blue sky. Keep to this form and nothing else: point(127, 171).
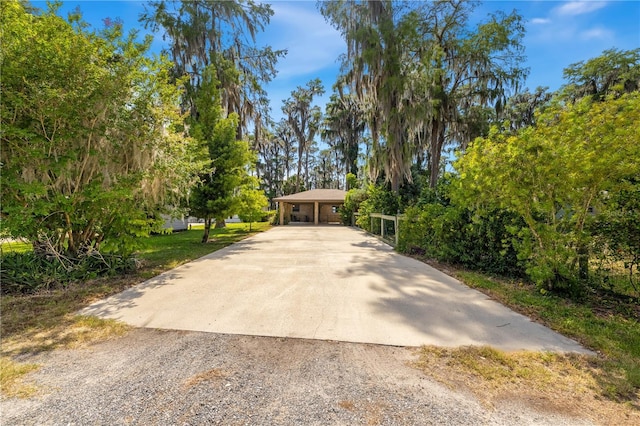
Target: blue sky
point(558, 33)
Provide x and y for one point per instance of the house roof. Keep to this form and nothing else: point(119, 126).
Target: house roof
point(320, 195)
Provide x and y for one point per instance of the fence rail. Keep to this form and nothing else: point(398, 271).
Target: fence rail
point(389, 235)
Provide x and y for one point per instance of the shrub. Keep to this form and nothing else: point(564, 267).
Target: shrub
point(29, 272)
point(379, 200)
point(352, 202)
point(268, 216)
point(458, 235)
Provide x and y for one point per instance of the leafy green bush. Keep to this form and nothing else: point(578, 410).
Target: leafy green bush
point(379, 200)
point(616, 231)
point(477, 239)
point(29, 272)
point(109, 152)
point(559, 177)
point(268, 216)
point(352, 202)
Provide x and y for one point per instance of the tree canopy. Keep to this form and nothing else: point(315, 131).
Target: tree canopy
point(555, 175)
point(90, 152)
point(221, 35)
point(426, 74)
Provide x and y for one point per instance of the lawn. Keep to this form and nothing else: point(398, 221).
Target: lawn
point(159, 253)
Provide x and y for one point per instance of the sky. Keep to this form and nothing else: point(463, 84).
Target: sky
point(558, 33)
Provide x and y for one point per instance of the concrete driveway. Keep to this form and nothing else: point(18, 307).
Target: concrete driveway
point(329, 283)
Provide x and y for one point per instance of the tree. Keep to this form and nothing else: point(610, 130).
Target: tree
point(252, 203)
point(425, 75)
point(90, 153)
point(554, 175)
point(325, 175)
point(304, 120)
point(270, 165)
point(343, 127)
point(215, 197)
point(466, 71)
point(285, 135)
point(220, 34)
point(520, 110)
point(614, 71)
point(213, 44)
point(374, 35)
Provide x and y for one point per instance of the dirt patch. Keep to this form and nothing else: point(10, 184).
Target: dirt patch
point(565, 384)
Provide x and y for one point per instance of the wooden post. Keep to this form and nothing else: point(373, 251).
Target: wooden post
point(396, 228)
point(382, 227)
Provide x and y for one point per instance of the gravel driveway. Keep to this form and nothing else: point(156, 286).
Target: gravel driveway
point(153, 377)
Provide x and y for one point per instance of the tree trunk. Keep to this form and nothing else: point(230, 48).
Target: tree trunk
point(207, 227)
point(435, 152)
point(298, 178)
point(583, 263)
point(395, 183)
point(220, 223)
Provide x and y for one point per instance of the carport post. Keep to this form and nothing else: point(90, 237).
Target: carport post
point(281, 205)
point(315, 213)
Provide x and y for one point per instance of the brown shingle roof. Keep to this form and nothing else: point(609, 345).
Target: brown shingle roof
point(321, 195)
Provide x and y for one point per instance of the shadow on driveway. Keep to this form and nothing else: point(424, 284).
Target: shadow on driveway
point(330, 283)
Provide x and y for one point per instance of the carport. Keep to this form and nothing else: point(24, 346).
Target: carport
point(317, 206)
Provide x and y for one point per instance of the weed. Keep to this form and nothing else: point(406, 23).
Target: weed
point(208, 376)
point(347, 404)
point(11, 378)
point(612, 332)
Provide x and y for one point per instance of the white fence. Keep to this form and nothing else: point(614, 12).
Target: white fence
point(390, 234)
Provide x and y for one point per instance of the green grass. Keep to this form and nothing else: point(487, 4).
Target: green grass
point(162, 252)
point(15, 247)
point(612, 333)
point(47, 320)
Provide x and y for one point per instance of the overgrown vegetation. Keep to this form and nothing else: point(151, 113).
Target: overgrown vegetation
point(29, 272)
point(102, 140)
point(558, 177)
point(553, 197)
point(92, 150)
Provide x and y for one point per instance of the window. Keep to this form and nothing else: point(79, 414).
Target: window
point(334, 209)
point(296, 208)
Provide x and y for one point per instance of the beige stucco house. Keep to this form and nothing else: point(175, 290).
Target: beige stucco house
point(317, 206)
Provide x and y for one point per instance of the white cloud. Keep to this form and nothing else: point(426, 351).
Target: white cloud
point(540, 21)
point(596, 33)
point(573, 8)
point(311, 42)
